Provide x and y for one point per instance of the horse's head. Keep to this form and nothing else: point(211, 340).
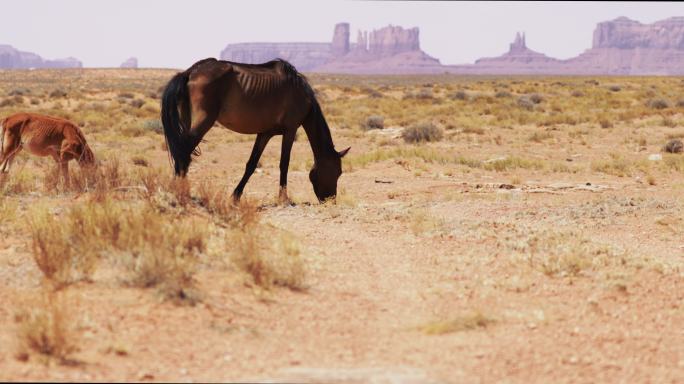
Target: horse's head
point(324, 175)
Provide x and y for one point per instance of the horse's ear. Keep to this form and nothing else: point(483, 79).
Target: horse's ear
point(344, 152)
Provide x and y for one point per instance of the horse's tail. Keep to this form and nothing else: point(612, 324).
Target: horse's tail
point(176, 91)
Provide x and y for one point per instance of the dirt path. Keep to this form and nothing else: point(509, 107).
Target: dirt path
point(424, 279)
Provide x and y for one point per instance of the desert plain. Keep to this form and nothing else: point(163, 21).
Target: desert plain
point(486, 229)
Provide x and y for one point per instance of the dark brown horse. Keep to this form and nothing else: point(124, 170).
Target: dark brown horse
point(264, 99)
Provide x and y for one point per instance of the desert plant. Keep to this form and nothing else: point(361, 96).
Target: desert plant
point(524, 102)
point(536, 98)
point(422, 132)
point(674, 146)
point(58, 94)
point(137, 103)
point(269, 259)
point(658, 103)
point(45, 328)
point(154, 125)
point(52, 250)
point(374, 122)
point(459, 95)
point(465, 322)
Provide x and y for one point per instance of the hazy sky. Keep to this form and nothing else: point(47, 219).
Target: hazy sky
point(176, 33)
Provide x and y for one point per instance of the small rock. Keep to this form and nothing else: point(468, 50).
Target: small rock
point(655, 157)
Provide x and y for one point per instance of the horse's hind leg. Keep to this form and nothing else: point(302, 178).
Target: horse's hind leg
point(259, 145)
point(288, 140)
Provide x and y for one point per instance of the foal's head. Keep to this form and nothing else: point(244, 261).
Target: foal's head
point(87, 158)
point(325, 173)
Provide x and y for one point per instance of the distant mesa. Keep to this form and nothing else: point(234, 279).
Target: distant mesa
point(12, 58)
point(131, 62)
point(391, 49)
point(620, 47)
point(628, 47)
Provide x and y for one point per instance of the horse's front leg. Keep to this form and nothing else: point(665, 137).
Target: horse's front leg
point(259, 145)
point(288, 140)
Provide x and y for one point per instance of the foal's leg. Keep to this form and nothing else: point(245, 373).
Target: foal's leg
point(259, 145)
point(64, 168)
point(66, 153)
point(288, 140)
point(9, 159)
point(10, 149)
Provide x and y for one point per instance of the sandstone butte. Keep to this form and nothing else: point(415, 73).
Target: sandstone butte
point(12, 58)
point(620, 47)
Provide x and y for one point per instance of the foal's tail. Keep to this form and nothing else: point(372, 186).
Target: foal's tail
point(176, 92)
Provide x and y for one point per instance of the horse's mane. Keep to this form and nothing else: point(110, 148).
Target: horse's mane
point(297, 78)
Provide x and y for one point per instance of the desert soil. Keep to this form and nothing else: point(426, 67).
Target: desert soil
point(440, 275)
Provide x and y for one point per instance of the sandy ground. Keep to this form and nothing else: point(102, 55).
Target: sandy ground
point(374, 285)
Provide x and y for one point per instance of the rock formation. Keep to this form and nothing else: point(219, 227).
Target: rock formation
point(12, 58)
point(620, 47)
point(340, 41)
point(132, 62)
point(391, 49)
point(624, 33)
point(627, 47)
point(304, 56)
point(518, 60)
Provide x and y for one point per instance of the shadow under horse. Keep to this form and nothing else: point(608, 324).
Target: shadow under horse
point(264, 99)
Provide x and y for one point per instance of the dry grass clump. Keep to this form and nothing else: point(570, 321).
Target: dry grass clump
point(8, 210)
point(163, 254)
point(218, 201)
point(374, 122)
point(617, 165)
point(536, 98)
point(423, 222)
point(45, 328)
point(459, 95)
point(157, 250)
point(58, 94)
point(422, 132)
point(466, 322)
point(658, 103)
point(513, 162)
point(270, 257)
point(524, 102)
point(538, 137)
point(568, 254)
point(422, 94)
point(153, 125)
point(55, 252)
point(675, 162)
point(16, 183)
point(674, 146)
